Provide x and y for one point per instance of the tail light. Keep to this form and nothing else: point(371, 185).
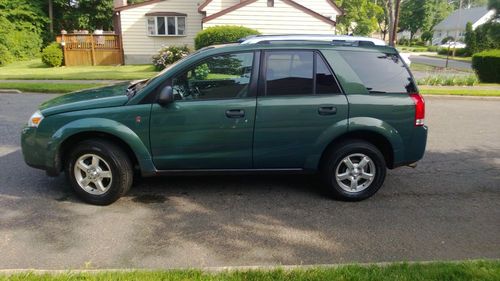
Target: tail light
point(419, 108)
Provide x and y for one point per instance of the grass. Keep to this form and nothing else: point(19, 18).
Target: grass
point(472, 270)
point(459, 92)
point(47, 87)
point(36, 70)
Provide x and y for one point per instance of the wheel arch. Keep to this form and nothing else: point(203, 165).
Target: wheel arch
point(100, 128)
point(377, 139)
point(70, 142)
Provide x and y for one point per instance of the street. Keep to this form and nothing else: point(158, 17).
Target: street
point(439, 62)
point(448, 208)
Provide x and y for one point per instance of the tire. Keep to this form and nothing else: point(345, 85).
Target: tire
point(103, 173)
point(338, 174)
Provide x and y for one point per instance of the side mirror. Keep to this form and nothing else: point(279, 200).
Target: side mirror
point(166, 96)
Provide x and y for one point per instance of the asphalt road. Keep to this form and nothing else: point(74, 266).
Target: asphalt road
point(439, 62)
point(448, 208)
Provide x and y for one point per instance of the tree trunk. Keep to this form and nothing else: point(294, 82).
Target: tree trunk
point(51, 17)
point(396, 22)
point(390, 7)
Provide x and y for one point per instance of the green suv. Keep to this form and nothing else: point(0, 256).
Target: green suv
point(345, 111)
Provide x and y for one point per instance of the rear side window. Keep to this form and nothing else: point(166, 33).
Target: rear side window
point(289, 73)
point(293, 73)
point(380, 72)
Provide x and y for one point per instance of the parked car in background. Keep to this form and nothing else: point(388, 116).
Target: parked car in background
point(344, 110)
point(453, 44)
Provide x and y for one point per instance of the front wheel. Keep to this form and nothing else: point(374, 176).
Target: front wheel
point(353, 170)
point(99, 171)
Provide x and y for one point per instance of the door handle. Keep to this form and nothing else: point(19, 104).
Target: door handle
point(327, 110)
point(235, 113)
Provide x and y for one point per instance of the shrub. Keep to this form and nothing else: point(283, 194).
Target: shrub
point(52, 55)
point(426, 36)
point(221, 35)
point(432, 48)
point(201, 72)
point(169, 55)
point(462, 52)
point(437, 80)
point(5, 56)
point(487, 65)
point(447, 39)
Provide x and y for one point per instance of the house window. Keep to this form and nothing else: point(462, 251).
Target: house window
point(270, 3)
point(167, 26)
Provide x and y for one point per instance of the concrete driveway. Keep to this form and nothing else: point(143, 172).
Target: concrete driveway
point(447, 208)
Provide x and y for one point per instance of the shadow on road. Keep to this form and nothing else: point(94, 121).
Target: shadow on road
point(447, 208)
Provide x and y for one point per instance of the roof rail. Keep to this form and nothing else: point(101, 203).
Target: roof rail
point(343, 40)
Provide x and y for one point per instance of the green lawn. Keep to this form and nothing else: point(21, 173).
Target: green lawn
point(459, 92)
point(47, 87)
point(463, 271)
point(35, 69)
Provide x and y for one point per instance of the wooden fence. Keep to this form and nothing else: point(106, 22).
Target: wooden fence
point(91, 49)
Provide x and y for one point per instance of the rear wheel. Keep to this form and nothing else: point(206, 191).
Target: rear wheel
point(99, 171)
point(353, 170)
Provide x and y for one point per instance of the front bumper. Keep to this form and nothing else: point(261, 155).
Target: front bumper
point(36, 153)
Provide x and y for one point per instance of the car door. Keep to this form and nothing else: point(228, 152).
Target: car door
point(210, 123)
point(299, 105)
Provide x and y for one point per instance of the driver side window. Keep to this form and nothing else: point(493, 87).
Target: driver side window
point(219, 77)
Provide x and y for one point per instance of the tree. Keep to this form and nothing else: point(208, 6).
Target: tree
point(495, 4)
point(21, 25)
point(470, 39)
point(360, 17)
point(415, 16)
point(83, 14)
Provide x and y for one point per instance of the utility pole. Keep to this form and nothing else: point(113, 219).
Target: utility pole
point(457, 33)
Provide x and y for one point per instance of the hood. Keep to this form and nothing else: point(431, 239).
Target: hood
point(108, 96)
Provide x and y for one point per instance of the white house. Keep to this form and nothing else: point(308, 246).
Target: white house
point(146, 27)
point(455, 23)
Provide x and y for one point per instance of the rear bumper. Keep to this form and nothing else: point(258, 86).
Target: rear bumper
point(414, 151)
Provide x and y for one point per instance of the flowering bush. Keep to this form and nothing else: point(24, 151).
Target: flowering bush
point(169, 55)
point(201, 72)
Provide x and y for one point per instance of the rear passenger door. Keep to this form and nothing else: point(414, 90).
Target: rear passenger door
point(299, 107)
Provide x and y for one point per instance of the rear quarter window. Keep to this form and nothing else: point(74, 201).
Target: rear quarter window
point(380, 72)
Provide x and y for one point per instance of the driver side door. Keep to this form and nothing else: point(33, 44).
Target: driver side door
point(210, 124)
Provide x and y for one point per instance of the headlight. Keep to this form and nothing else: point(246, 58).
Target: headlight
point(35, 119)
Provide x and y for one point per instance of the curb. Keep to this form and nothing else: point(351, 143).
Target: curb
point(218, 269)
point(10, 91)
point(457, 97)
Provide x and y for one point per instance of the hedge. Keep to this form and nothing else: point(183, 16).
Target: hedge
point(222, 35)
point(459, 52)
point(487, 65)
point(52, 55)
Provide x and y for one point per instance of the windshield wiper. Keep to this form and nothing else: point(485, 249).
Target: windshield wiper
point(375, 91)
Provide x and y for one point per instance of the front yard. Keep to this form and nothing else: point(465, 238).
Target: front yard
point(36, 70)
